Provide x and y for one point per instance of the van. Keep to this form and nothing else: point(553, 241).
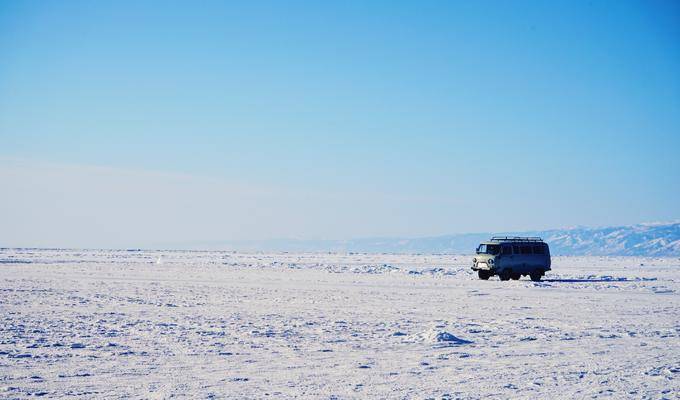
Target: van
point(511, 257)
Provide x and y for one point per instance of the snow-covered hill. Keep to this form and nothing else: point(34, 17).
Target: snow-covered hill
point(643, 239)
point(655, 239)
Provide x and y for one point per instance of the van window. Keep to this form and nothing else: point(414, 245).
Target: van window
point(493, 249)
point(526, 249)
point(507, 249)
point(538, 249)
point(489, 249)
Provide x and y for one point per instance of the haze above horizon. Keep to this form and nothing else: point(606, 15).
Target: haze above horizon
point(125, 124)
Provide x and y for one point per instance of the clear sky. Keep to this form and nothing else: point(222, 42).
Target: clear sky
point(138, 123)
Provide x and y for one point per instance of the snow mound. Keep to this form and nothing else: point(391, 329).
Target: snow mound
point(442, 338)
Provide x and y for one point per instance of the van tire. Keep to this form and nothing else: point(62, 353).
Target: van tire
point(484, 275)
point(505, 275)
point(515, 276)
point(536, 276)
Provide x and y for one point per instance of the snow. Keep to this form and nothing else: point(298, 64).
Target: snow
point(104, 323)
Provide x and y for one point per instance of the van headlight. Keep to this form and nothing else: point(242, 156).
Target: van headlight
point(490, 261)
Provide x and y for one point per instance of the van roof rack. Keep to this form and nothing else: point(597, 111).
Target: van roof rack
point(516, 239)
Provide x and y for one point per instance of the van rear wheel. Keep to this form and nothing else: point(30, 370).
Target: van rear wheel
point(515, 276)
point(484, 275)
point(536, 276)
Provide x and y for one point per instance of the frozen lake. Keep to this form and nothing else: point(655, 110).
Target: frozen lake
point(135, 324)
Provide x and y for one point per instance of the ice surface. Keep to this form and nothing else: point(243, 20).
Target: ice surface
point(96, 324)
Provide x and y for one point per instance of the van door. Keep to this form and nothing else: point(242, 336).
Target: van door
point(506, 255)
point(527, 258)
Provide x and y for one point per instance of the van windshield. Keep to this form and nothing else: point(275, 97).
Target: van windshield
point(488, 249)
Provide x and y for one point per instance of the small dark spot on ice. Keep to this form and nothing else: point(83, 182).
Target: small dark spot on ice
point(39, 394)
point(239, 379)
point(398, 334)
point(326, 351)
point(25, 355)
point(663, 291)
point(225, 353)
point(83, 375)
point(527, 339)
point(610, 336)
point(77, 346)
point(364, 366)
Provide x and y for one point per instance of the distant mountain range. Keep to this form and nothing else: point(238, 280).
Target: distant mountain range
point(653, 239)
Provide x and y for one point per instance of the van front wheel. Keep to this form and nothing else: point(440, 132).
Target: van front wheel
point(505, 275)
point(484, 275)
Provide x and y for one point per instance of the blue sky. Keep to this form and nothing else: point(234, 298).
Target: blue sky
point(150, 122)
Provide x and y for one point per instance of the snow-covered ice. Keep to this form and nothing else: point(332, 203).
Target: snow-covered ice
point(95, 323)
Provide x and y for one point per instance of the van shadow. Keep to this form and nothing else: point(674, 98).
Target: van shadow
point(596, 280)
